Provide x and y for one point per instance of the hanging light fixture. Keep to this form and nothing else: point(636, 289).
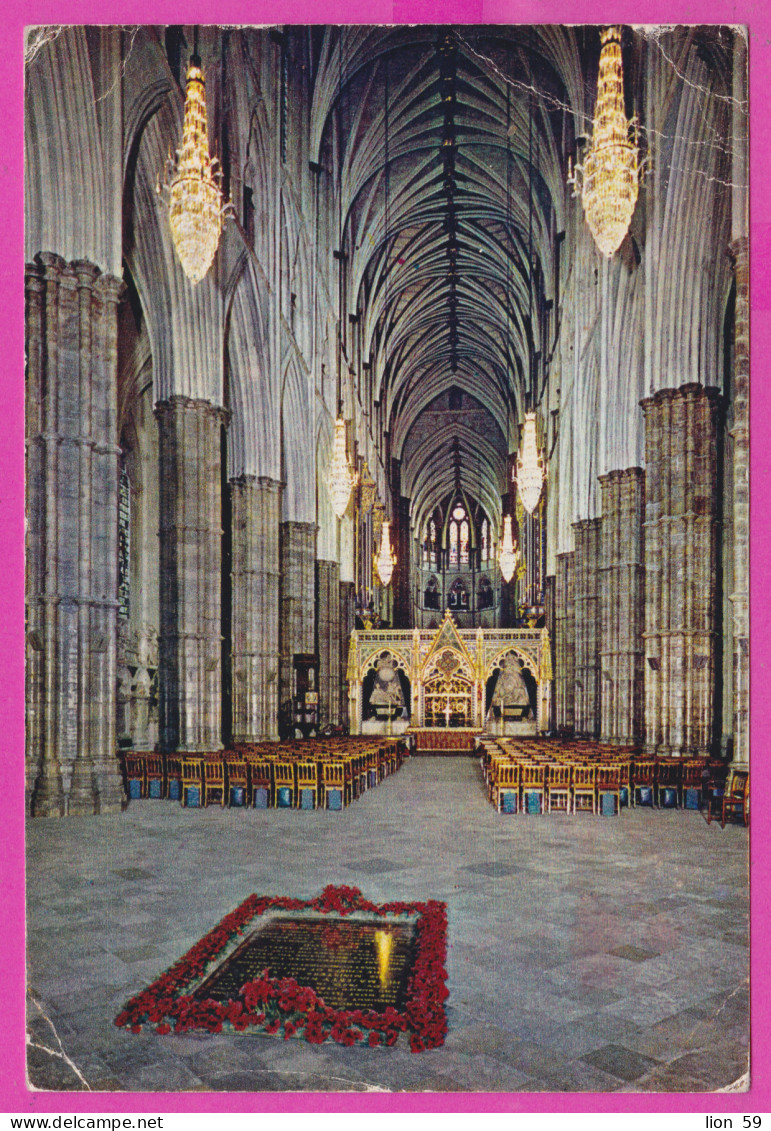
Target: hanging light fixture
point(341, 479)
point(508, 554)
point(385, 560)
point(196, 209)
point(530, 467)
point(609, 176)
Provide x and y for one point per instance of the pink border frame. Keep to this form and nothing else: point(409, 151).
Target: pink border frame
point(14, 1096)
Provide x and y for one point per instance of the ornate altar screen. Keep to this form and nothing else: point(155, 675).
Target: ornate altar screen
point(449, 672)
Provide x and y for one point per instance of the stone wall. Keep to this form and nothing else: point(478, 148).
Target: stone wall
point(564, 643)
point(741, 503)
point(297, 623)
point(328, 623)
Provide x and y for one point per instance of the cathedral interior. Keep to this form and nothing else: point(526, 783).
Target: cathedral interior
point(403, 367)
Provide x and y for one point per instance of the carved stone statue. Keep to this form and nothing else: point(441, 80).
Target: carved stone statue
point(511, 689)
point(387, 688)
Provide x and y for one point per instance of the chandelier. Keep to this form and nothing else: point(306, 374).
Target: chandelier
point(608, 180)
point(196, 211)
point(341, 479)
point(385, 560)
point(508, 554)
point(530, 469)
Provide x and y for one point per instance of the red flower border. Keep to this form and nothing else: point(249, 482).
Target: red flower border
point(280, 1005)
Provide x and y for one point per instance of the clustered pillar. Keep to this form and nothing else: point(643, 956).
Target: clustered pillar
point(72, 551)
point(681, 559)
point(622, 605)
point(190, 707)
point(740, 438)
point(297, 621)
point(587, 623)
point(564, 644)
point(256, 504)
point(328, 574)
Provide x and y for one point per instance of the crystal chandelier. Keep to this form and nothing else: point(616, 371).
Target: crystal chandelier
point(196, 210)
point(530, 469)
point(608, 181)
point(385, 560)
point(508, 554)
point(341, 479)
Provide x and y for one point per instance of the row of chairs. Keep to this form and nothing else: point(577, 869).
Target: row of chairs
point(542, 775)
point(302, 775)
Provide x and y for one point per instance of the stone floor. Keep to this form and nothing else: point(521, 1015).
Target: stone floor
point(585, 953)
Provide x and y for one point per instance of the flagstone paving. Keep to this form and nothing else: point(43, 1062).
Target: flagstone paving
point(585, 953)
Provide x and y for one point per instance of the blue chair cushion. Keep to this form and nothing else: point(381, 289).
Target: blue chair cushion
point(692, 798)
point(306, 798)
point(237, 796)
point(154, 787)
point(284, 797)
point(508, 801)
point(608, 804)
point(175, 789)
point(532, 802)
point(192, 799)
point(334, 799)
point(261, 798)
point(644, 794)
point(668, 797)
point(135, 789)
point(625, 795)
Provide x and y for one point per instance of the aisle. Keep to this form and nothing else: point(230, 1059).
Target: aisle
point(585, 954)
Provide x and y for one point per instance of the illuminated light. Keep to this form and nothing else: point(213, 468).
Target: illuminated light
point(609, 175)
point(384, 944)
point(196, 210)
point(341, 479)
point(508, 555)
point(385, 560)
point(530, 468)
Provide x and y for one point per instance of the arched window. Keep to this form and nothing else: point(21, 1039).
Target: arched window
point(458, 595)
point(432, 542)
point(459, 536)
point(431, 595)
point(485, 540)
point(485, 597)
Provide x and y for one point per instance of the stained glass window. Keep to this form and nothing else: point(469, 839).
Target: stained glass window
point(453, 543)
point(485, 528)
point(432, 541)
point(464, 542)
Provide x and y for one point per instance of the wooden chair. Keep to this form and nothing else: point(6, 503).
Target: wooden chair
point(532, 778)
point(261, 783)
point(135, 770)
point(155, 776)
point(691, 782)
point(372, 764)
point(506, 787)
point(236, 780)
point(584, 785)
point(284, 796)
point(307, 784)
point(668, 782)
point(736, 798)
point(643, 777)
point(609, 784)
point(173, 769)
point(333, 776)
point(558, 785)
point(192, 782)
point(214, 780)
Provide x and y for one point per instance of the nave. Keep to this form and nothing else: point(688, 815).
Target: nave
point(585, 954)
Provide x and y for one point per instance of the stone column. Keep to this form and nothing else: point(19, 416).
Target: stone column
point(622, 617)
point(587, 627)
point(190, 672)
point(297, 587)
point(72, 537)
point(741, 466)
point(256, 513)
point(328, 624)
point(564, 643)
point(347, 624)
point(681, 544)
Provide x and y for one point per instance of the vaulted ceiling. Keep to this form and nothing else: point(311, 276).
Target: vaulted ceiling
point(450, 147)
